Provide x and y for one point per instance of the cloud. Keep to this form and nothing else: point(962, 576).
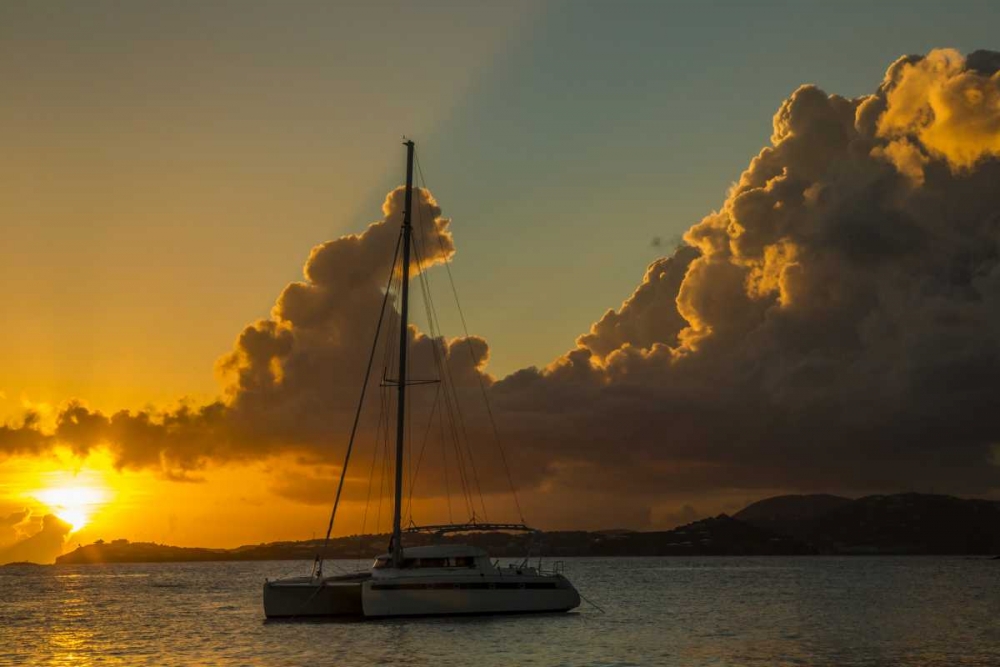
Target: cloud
point(12, 525)
point(835, 325)
point(290, 381)
point(638, 324)
point(840, 325)
point(42, 547)
point(24, 438)
point(945, 106)
point(293, 378)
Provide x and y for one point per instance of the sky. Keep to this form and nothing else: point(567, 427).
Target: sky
point(166, 170)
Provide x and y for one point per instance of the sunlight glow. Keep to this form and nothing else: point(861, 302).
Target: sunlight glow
point(73, 504)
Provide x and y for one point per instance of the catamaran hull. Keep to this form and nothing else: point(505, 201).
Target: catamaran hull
point(382, 599)
point(304, 600)
point(392, 598)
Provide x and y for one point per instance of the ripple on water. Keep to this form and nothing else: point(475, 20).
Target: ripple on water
point(707, 611)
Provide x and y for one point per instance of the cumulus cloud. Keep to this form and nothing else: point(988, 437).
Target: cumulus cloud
point(12, 526)
point(835, 325)
point(944, 106)
point(638, 324)
point(840, 326)
point(291, 381)
point(41, 547)
point(24, 438)
point(289, 375)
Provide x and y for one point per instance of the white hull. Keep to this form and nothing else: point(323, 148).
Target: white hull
point(479, 595)
point(361, 596)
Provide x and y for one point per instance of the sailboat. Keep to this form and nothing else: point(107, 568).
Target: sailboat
point(427, 580)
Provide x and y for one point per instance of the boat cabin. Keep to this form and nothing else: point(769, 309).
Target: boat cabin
point(453, 557)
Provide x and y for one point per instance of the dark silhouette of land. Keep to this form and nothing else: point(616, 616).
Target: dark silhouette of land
point(907, 523)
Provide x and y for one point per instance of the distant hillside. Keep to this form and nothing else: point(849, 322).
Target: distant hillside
point(716, 536)
point(785, 525)
point(787, 514)
point(721, 535)
point(120, 551)
point(123, 551)
point(906, 523)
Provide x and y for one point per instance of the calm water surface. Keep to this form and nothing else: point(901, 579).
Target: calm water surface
point(659, 611)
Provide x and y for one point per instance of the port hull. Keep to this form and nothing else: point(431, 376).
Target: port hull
point(307, 598)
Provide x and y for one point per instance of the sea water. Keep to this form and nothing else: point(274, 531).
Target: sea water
point(652, 611)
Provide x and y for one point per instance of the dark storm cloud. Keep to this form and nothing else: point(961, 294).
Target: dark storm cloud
point(835, 326)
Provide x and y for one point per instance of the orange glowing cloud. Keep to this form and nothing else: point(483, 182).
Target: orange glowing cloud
point(944, 104)
point(835, 322)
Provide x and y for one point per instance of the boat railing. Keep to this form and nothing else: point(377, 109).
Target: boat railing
point(552, 567)
point(471, 527)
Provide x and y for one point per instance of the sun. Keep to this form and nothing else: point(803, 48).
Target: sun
point(73, 504)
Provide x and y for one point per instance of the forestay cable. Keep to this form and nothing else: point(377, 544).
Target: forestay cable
point(482, 386)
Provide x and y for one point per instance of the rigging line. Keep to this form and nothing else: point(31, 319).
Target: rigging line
point(381, 485)
point(382, 426)
point(482, 386)
point(388, 348)
point(381, 433)
point(591, 603)
point(386, 473)
point(460, 438)
point(437, 394)
point(420, 458)
point(459, 459)
point(425, 293)
point(383, 419)
point(409, 438)
point(458, 409)
point(357, 414)
point(371, 476)
point(454, 438)
point(438, 355)
point(468, 447)
point(444, 459)
point(407, 483)
point(388, 404)
point(451, 403)
point(456, 443)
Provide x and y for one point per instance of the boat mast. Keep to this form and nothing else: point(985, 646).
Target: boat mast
point(397, 547)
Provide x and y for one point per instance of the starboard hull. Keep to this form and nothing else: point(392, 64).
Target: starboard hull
point(382, 599)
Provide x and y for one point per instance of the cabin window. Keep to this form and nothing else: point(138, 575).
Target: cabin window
point(412, 563)
point(406, 564)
